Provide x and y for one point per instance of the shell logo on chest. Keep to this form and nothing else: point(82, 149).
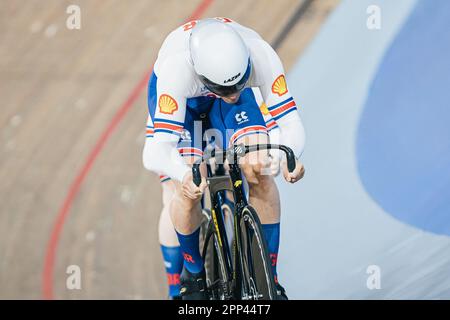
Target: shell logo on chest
point(279, 86)
point(167, 104)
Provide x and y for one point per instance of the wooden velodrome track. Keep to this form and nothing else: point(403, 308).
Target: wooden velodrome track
point(73, 190)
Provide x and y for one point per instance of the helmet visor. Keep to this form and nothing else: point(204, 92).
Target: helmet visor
point(224, 91)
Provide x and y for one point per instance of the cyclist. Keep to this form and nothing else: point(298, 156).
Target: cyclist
point(202, 80)
point(170, 247)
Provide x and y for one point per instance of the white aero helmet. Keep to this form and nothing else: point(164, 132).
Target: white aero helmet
point(221, 58)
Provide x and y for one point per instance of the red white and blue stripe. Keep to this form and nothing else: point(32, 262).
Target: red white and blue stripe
point(168, 126)
point(283, 108)
point(164, 178)
point(271, 124)
point(190, 152)
point(149, 132)
point(247, 131)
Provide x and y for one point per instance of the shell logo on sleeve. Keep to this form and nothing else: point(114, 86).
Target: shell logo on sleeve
point(167, 104)
point(264, 109)
point(279, 86)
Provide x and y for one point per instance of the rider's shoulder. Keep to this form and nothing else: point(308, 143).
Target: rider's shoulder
point(175, 73)
point(260, 49)
point(265, 62)
point(174, 63)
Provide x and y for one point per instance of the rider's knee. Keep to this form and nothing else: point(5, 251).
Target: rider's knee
point(184, 203)
point(256, 165)
point(257, 173)
point(168, 191)
point(172, 189)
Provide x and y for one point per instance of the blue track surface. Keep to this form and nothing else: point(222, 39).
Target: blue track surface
point(376, 190)
point(403, 141)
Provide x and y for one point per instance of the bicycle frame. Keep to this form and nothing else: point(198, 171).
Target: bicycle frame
point(233, 182)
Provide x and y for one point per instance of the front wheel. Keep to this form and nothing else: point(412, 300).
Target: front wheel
point(257, 270)
point(218, 278)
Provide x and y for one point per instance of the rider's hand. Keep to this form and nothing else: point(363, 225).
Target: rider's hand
point(294, 176)
point(190, 190)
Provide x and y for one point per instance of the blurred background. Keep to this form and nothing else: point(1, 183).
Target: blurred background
point(371, 78)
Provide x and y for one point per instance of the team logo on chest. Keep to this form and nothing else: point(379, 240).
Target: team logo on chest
point(279, 86)
point(167, 104)
point(241, 117)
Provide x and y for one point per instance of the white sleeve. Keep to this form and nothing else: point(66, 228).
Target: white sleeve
point(162, 157)
point(292, 133)
point(280, 103)
point(160, 152)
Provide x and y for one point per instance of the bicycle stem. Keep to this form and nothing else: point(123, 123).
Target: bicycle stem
point(233, 154)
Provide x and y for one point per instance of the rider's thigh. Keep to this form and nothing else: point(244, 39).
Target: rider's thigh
point(168, 191)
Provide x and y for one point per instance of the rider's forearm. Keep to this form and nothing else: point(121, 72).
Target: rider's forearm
point(292, 132)
point(274, 135)
point(163, 157)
